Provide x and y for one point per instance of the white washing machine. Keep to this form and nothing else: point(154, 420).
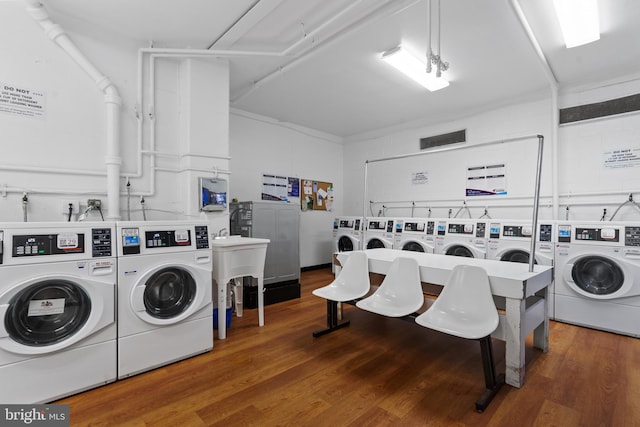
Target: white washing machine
point(462, 237)
point(57, 309)
point(379, 233)
point(597, 273)
point(413, 235)
point(347, 234)
point(510, 240)
point(165, 311)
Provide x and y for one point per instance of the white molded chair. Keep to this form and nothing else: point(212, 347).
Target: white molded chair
point(352, 283)
point(400, 293)
point(465, 309)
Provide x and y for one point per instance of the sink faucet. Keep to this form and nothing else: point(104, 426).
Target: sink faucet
point(222, 232)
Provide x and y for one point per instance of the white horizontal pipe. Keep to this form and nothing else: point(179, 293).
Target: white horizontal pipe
point(55, 171)
point(205, 52)
point(598, 193)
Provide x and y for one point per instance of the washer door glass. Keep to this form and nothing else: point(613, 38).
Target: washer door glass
point(47, 312)
point(459, 251)
point(169, 292)
point(516, 255)
point(597, 275)
point(413, 246)
point(375, 244)
point(345, 244)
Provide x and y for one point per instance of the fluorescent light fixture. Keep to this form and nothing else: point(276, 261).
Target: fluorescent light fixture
point(579, 21)
point(414, 67)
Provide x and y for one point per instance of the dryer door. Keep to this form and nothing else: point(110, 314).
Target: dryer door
point(47, 312)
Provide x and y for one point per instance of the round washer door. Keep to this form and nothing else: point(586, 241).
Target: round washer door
point(458, 250)
point(597, 275)
point(47, 313)
point(169, 292)
point(375, 244)
point(345, 244)
point(413, 246)
point(516, 255)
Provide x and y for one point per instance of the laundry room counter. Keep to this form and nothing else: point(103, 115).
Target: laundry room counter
point(236, 256)
point(525, 295)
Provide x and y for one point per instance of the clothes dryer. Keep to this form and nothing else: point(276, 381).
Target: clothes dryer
point(165, 310)
point(462, 237)
point(347, 234)
point(57, 309)
point(379, 233)
point(416, 234)
point(597, 271)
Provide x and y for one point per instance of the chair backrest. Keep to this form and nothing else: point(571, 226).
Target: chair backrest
point(402, 284)
point(354, 275)
point(467, 294)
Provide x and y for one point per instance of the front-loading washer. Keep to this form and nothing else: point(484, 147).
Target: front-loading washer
point(510, 240)
point(379, 233)
point(597, 275)
point(462, 237)
point(165, 310)
point(347, 234)
point(416, 235)
point(57, 309)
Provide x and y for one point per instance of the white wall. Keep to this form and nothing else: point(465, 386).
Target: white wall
point(61, 156)
point(261, 145)
point(585, 184)
point(389, 183)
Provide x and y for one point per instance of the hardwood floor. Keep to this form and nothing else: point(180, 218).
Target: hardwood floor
point(375, 372)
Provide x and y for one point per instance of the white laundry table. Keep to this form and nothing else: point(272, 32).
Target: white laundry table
point(525, 294)
point(233, 257)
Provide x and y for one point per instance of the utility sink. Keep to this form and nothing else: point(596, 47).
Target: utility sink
point(227, 237)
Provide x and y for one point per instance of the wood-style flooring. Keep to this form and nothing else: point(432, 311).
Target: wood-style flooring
point(375, 372)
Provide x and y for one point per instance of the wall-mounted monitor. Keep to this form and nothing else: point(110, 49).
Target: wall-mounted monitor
point(213, 194)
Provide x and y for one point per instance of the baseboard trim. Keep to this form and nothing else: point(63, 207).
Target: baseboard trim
point(316, 267)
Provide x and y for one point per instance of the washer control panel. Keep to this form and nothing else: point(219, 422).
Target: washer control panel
point(632, 236)
point(47, 244)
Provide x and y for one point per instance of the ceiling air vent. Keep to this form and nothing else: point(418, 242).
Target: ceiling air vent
point(600, 109)
point(444, 139)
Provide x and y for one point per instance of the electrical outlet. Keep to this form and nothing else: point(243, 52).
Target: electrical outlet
point(94, 203)
point(75, 206)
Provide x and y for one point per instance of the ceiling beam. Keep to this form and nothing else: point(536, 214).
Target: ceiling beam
point(246, 22)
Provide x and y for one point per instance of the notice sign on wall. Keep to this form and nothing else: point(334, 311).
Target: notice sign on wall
point(489, 180)
point(21, 101)
point(419, 178)
point(622, 158)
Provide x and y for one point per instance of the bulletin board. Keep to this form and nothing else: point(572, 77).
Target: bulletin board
point(316, 195)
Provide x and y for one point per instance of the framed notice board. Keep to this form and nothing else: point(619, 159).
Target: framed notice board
point(316, 195)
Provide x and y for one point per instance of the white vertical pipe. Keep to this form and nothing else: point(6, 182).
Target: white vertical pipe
point(112, 102)
point(553, 84)
point(439, 69)
point(429, 51)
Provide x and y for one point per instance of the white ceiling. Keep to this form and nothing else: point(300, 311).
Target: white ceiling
point(325, 73)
